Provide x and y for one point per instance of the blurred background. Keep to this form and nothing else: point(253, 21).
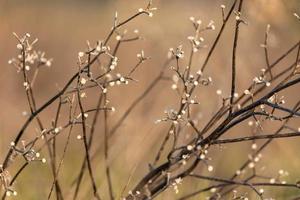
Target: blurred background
point(64, 26)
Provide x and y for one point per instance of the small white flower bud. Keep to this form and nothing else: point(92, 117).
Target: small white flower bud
point(118, 37)
point(174, 86)
point(189, 147)
point(81, 54)
point(83, 81)
point(27, 67)
point(210, 168)
point(19, 46)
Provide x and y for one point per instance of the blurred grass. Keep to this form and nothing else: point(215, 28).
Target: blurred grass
point(63, 27)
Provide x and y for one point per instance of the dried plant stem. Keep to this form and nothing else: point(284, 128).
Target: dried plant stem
point(92, 131)
point(107, 168)
point(87, 155)
point(234, 50)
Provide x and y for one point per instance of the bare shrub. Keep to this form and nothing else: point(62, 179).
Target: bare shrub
point(178, 158)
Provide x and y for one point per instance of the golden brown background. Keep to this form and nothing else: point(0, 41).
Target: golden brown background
point(63, 26)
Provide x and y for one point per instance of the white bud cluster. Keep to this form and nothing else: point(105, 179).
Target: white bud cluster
point(31, 56)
